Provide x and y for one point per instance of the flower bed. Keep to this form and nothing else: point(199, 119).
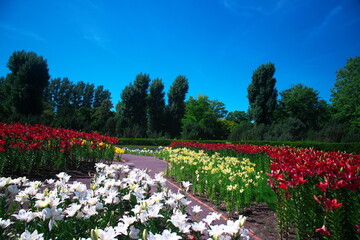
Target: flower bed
point(234, 182)
point(144, 151)
point(118, 205)
point(24, 148)
point(317, 192)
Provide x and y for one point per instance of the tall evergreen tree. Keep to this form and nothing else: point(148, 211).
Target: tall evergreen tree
point(262, 94)
point(27, 81)
point(156, 108)
point(176, 105)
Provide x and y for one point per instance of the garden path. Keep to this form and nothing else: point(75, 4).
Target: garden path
point(154, 166)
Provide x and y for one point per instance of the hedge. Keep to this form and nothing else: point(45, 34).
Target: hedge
point(324, 146)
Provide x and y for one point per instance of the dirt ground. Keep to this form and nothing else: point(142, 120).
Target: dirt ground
point(260, 220)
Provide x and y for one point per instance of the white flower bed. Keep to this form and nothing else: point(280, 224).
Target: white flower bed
point(142, 151)
point(118, 205)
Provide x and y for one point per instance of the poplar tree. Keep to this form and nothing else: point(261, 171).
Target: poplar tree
point(176, 105)
point(262, 94)
point(156, 108)
point(133, 108)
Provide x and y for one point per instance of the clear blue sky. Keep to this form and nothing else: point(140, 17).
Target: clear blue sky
point(216, 44)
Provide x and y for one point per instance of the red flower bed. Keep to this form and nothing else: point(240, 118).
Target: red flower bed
point(330, 179)
point(290, 166)
point(27, 145)
point(31, 137)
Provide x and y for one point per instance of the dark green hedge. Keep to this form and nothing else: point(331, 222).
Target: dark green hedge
point(342, 147)
point(144, 142)
point(324, 146)
point(157, 142)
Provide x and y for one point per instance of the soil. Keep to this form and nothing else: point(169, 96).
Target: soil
point(260, 219)
point(86, 171)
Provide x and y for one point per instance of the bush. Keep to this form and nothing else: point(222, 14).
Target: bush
point(195, 131)
point(240, 132)
point(292, 129)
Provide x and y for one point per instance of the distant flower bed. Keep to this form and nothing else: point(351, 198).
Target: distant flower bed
point(118, 205)
point(24, 148)
point(145, 151)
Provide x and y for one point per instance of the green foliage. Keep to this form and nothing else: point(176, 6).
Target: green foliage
point(195, 131)
point(176, 105)
point(100, 95)
point(303, 103)
point(201, 120)
point(346, 93)
point(89, 107)
point(133, 108)
point(237, 116)
point(101, 115)
point(262, 94)
point(291, 129)
point(26, 83)
point(3, 109)
point(323, 146)
point(144, 142)
point(156, 108)
point(240, 132)
point(218, 108)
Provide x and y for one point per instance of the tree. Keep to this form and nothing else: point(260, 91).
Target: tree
point(133, 108)
point(156, 108)
point(59, 93)
point(262, 94)
point(141, 85)
point(27, 81)
point(88, 98)
point(176, 105)
point(202, 119)
point(100, 95)
point(3, 108)
point(290, 129)
point(218, 108)
point(77, 96)
point(237, 116)
point(346, 93)
point(101, 115)
point(303, 103)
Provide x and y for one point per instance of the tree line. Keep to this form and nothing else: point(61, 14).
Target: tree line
point(27, 94)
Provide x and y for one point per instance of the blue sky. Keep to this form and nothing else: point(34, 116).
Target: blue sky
point(216, 44)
